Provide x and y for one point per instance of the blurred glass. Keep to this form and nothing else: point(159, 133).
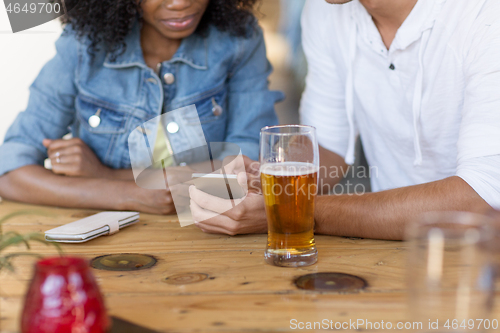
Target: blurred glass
point(63, 297)
point(451, 273)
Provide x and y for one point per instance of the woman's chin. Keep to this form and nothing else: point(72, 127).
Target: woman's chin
point(176, 34)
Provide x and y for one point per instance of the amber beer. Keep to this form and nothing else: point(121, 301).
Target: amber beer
point(290, 190)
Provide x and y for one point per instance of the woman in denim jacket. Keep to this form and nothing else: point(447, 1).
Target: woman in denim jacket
point(120, 63)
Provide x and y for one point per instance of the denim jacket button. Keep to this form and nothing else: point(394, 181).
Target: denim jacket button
point(95, 120)
point(169, 78)
point(172, 127)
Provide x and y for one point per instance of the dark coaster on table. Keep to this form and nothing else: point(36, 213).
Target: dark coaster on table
point(123, 262)
point(333, 282)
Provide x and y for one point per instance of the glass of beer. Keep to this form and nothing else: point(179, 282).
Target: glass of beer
point(289, 165)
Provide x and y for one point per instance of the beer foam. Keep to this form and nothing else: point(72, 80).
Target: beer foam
point(288, 169)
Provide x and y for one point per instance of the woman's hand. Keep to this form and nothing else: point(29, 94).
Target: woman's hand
point(149, 199)
point(135, 198)
point(240, 216)
point(36, 185)
point(74, 158)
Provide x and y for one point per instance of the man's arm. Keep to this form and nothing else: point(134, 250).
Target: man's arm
point(384, 215)
point(332, 169)
point(35, 185)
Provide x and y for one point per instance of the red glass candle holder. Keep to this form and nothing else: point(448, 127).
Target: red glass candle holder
point(64, 298)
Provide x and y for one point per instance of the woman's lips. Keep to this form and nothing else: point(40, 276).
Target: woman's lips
point(180, 23)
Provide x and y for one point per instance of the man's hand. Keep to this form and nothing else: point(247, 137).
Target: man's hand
point(240, 216)
point(74, 158)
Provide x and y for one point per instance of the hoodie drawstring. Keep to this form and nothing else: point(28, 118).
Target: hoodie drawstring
point(417, 98)
point(349, 95)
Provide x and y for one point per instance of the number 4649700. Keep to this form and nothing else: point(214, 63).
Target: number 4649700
point(32, 8)
point(471, 324)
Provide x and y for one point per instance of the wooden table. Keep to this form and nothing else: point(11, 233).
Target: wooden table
point(241, 294)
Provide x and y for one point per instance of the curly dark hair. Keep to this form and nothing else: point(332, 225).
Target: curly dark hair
point(108, 22)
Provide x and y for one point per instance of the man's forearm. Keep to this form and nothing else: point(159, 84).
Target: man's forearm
point(332, 168)
point(36, 185)
point(385, 214)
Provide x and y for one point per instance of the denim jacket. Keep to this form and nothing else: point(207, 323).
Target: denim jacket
point(214, 69)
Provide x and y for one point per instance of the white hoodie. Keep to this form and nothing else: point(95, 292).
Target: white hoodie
point(426, 109)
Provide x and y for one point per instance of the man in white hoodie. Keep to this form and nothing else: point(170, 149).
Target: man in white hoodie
point(419, 81)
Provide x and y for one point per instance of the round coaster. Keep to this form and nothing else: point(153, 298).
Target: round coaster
point(186, 278)
point(123, 262)
point(337, 282)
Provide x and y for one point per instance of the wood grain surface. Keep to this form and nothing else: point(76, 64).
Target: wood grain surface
point(233, 289)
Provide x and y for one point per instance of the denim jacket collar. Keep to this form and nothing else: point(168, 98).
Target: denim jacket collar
point(193, 51)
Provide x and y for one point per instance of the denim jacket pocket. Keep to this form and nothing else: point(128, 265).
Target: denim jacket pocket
point(112, 119)
point(211, 105)
point(105, 136)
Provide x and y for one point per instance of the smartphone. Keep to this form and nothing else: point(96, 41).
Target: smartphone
point(220, 185)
